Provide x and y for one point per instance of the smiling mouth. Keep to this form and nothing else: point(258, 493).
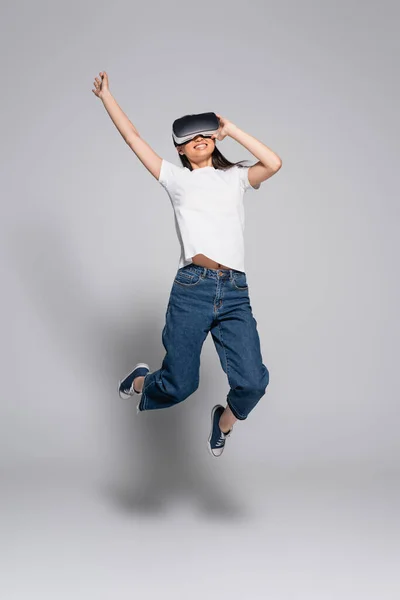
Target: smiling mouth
point(202, 144)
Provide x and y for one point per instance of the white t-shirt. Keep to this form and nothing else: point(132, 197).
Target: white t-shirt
point(209, 211)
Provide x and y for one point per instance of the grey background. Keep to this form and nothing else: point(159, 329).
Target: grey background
point(97, 502)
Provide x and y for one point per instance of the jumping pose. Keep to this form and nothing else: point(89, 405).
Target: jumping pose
point(210, 291)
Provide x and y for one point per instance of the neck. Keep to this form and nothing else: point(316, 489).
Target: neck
point(201, 165)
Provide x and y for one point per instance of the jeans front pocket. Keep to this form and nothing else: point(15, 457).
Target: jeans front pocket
point(239, 281)
point(187, 278)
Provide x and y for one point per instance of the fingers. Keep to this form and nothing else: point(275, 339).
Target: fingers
point(99, 81)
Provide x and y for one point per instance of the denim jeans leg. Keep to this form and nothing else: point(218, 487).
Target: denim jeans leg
point(237, 342)
point(186, 328)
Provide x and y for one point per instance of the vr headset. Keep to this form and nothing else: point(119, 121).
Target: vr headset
point(188, 127)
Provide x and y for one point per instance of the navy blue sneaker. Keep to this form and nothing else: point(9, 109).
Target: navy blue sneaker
point(216, 440)
point(125, 386)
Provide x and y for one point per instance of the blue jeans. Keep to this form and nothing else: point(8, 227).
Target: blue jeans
point(203, 300)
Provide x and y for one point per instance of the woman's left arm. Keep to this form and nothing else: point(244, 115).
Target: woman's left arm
point(268, 161)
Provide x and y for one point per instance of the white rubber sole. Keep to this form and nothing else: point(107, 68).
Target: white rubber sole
point(126, 396)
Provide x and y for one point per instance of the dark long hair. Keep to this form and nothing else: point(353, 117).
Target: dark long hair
point(219, 161)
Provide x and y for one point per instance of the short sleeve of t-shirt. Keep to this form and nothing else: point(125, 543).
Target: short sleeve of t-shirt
point(169, 174)
point(244, 179)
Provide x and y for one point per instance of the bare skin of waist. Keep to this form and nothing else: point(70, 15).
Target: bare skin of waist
point(204, 261)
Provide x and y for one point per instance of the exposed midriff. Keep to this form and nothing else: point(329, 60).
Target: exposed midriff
point(204, 261)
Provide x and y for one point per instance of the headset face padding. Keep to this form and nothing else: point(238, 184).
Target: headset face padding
point(186, 128)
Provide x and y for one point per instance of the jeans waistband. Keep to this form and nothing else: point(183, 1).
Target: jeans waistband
point(206, 272)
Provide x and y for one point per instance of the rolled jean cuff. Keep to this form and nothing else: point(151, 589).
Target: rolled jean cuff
point(238, 417)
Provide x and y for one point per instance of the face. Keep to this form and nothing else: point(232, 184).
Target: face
point(200, 148)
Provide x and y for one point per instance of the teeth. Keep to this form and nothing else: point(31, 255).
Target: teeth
point(200, 145)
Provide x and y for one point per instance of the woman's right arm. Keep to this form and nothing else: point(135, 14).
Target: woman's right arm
point(143, 151)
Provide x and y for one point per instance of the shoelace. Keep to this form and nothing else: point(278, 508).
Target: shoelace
point(220, 441)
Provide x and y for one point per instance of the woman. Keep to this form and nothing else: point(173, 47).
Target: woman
point(207, 294)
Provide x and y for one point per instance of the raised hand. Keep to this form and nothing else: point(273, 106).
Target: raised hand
point(101, 84)
point(225, 128)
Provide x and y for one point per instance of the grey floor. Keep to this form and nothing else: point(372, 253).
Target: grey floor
point(260, 534)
